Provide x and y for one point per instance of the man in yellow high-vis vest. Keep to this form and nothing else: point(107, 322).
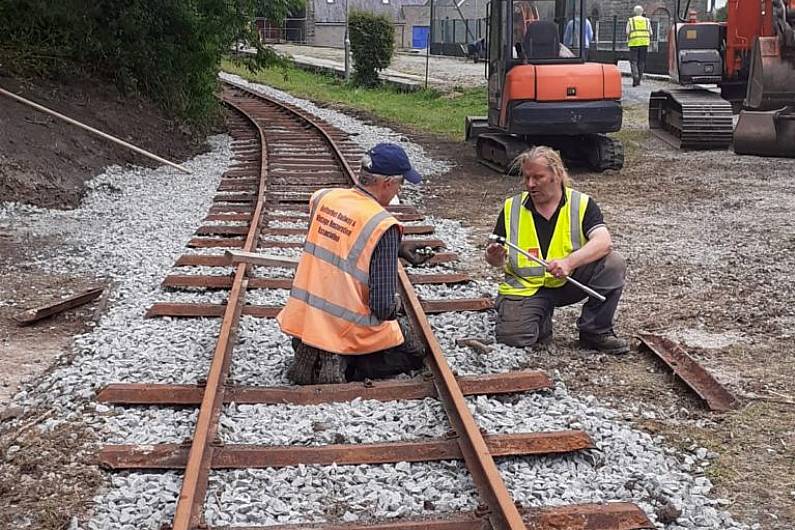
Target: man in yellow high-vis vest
point(565, 227)
point(638, 40)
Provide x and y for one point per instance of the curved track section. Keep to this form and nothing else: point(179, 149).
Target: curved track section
point(282, 156)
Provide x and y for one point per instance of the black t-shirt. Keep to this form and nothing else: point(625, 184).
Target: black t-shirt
point(544, 229)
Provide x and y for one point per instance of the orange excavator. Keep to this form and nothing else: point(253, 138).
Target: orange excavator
point(541, 89)
point(751, 58)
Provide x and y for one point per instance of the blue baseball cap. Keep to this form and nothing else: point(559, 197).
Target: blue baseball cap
point(391, 159)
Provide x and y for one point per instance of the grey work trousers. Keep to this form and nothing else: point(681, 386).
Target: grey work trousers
point(525, 320)
point(637, 62)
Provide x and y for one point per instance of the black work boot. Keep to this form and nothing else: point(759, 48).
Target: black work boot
point(303, 371)
point(605, 343)
point(545, 331)
point(332, 368)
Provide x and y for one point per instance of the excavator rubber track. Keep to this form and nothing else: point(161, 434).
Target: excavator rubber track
point(597, 151)
point(691, 118)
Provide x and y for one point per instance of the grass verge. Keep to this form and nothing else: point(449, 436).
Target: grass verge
point(425, 110)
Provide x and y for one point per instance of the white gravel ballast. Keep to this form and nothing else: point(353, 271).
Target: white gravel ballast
point(134, 224)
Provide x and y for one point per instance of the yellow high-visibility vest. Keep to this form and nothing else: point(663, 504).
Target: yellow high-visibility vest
point(639, 32)
point(523, 277)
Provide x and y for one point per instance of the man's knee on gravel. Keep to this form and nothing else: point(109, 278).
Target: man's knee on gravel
point(564, 227)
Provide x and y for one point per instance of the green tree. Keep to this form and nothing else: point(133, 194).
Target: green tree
point(721, 14)
point(372, 45)
point(167, 50)
point(277, 10)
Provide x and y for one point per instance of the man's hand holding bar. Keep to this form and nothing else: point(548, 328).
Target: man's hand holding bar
point(584, 288)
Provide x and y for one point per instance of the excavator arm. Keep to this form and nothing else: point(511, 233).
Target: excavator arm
point(752, 58)
point(767, 122)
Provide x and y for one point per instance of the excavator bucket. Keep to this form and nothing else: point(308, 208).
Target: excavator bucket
point(766, 133)
point(767, 124)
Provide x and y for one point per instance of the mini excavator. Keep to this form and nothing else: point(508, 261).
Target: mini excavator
point(751, 57)
point(541, 91)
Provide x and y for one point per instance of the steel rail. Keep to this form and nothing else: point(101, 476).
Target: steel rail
point(502, 512)
point(205, 452)
point(346, 167)
point(189, 511)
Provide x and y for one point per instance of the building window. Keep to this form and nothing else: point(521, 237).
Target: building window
point(663, 19)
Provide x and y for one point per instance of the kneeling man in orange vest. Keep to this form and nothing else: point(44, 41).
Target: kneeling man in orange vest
point(343, 310)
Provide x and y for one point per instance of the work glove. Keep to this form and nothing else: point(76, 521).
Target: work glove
point(414, 253)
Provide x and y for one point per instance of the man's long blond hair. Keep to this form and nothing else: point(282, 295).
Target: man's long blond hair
point(547, 156)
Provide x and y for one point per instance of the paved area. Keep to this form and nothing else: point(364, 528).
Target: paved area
point(447, 73)
point(443, 72)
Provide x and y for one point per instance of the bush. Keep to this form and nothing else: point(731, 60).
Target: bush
point(168, 51)
point(372, 44)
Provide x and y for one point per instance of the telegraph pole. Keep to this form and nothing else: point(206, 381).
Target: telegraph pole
point(347, 46)
point(428, 43)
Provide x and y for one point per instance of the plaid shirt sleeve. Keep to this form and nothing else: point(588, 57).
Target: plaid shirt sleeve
point(383, 275)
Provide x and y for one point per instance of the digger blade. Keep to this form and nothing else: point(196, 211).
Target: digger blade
point(766, 133)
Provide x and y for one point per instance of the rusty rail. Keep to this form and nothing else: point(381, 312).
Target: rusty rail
point(466, 442)
point(503, 513)
point(690, 372)
point(188, 513)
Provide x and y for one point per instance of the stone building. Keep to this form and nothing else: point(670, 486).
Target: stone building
point(461, 21)
point(610, 15)
point(325, 19)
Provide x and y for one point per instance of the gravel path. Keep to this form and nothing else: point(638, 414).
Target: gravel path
point(106, 235)
point(443, 72)
point(449, 73)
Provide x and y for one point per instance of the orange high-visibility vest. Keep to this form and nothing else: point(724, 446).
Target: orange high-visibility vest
point(328, 307)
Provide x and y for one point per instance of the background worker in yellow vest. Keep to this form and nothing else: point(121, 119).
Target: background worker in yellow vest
point(565, 227)
point(638, 40)
point(343, 312)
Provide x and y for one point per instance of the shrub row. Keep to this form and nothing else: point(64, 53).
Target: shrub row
point(166, 50)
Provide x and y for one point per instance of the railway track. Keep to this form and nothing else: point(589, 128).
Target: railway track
point(282, 155)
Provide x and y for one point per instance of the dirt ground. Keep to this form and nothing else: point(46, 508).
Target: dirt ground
point(28, 350)
point(44, 160)
point(47, 479)
point(709, 241)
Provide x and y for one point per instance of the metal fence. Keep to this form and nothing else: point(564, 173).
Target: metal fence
point(610, 44)
point(610, 34)
point(449, 36)
point(457, 31)
point(291, 30)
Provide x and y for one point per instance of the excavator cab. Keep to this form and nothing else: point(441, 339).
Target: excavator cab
point(541, 89)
